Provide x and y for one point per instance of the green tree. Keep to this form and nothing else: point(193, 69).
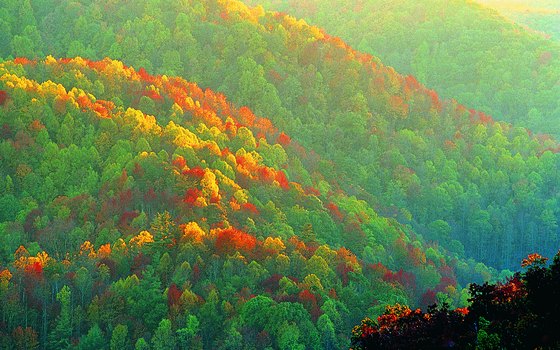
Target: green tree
point(60, 335)
point(141, 344)
point(119, 338)
point(327, 333)
point(164, 337)
point(94, 340)
point(186, 334)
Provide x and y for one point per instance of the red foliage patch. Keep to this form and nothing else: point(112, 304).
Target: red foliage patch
point(196, 273)
point(3, 97)
point(271, 284)
point(266, 174)
point(23, 61)
point(231, 240)
point(191, 196)
point(312, 191)
point(126, 218)
point(173, 295)
point(282, 180)
point(335, 211)
point(196, 172)
point(309, 301)
point(145, 76)
point(154, 95)
point(283, 139)
point(179, 162)
point(35, 269)
point(343, 270)
point(247, 116)
point(250, 207)
point(406, 279)
point(102, 108)
point(428, 298)
point(240, 160)
point(84, 102)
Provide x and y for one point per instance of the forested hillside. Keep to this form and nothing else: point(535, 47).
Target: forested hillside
point(203, 174)
point(540, 15)
point(143, 209)
point(456, 176)
point(459, 178)
point(459, 48)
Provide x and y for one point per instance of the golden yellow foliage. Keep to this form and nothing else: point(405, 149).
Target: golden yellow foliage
point(5, 277)
point(275, 244)
point(144, 123)
point(87, 249)
point(192, 231)
point(182, 137)
point(142, 238)
point(209, 185)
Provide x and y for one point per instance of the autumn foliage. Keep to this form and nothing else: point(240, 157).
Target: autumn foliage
point(3, 97)
point(520, 313)
point(230, 240)
point(170, 214)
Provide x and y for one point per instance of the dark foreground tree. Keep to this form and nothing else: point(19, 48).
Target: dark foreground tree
point(521, 313)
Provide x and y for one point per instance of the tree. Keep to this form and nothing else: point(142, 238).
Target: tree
point(210, 316)
point(186, 334)
point(119, 338)
point(164, 337)
point(308, 234)
point(289, 337)
point(84, 283)
point(94, 339)
point(59, 337)
point(327, 333)
point(25, 338)
point(141, 344)
point(147, 301)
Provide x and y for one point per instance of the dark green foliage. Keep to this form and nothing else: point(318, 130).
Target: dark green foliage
point(521, 313)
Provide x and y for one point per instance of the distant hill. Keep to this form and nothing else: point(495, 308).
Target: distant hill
point(540, 15)
point(461, 49)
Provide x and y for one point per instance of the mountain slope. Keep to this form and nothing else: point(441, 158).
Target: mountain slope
point(540, 15)
point(168, 213)
point(453, 174)
point(459, 48)
point(146, 202)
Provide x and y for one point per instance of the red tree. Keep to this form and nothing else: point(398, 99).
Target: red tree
point(3, 97)
point(231, 240)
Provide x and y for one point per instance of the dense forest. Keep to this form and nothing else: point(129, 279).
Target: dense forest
point(139, 227)
point(459, 48)
point(475, 186)
point(203, 174)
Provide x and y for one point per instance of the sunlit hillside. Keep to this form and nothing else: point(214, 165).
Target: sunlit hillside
point(460, 48)
point(204, 174)
point(539, 15)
